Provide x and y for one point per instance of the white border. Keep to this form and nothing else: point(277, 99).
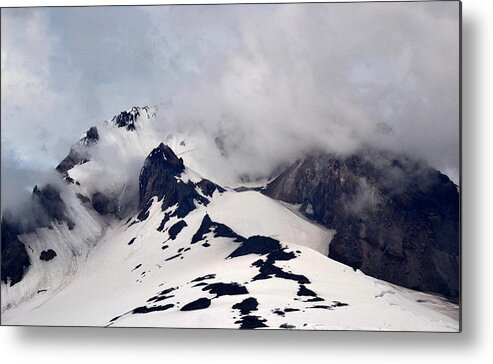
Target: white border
point(86, 345)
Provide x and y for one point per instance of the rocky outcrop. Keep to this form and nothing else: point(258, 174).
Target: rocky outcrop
point(396, 219)
point(91, 136)
point(128, 119)
point(47, 255)
point(78, 153)
point(208, 188)
point(52, 206)
point(15, 259)
point(74, 157)
point(158, 173)
point(160, 177)
point(103, 204)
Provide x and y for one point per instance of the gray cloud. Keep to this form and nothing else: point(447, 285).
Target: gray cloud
point(276, 80)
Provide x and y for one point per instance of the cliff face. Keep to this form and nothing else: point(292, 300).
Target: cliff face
point(15, 259)
point(396, 219)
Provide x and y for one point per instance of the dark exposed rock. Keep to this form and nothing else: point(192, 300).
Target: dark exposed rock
point(161, 177)
point(144, 213)
point(91, 137)
point(48, 198)
point(167, 290)
point(103, 204)
point(115, 318)
point(245, 189)
point(173, 257)
point(83, 198)
point(225, 289)
point(251, 322)
point(176, 229)
point(165, 219)
point(269, 270)
point(163, 295)
point(339, 304)
point(207, 187)
point(334, 305)
point(156, 299)
point(15, 259)
point(260, 245)
point(203, 278)
point(396, 219)
point(78, 153)
point(256, 245)
point(279, 312)
point(146, 309)
point(287, 326)
point(75, 157)
point(200, 284)
point(274, 252)
point(246, 306)
point(303, 291)
point(248, 321)
point(47, 255)
point(127, 119)
point(218, 229)
point(199, 304)
point(158, 178)
point(326, 307)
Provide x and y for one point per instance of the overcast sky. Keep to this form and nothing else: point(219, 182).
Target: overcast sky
point(274, 79)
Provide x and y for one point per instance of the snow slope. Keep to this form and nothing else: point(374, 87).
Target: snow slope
point(109, 284)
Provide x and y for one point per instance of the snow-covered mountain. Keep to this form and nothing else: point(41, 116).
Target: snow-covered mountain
point(146, 230)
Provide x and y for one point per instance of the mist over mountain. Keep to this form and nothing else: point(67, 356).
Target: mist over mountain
point(190, 252)
point(266, 82)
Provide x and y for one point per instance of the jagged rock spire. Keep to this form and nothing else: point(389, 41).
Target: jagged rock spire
point(160, 168)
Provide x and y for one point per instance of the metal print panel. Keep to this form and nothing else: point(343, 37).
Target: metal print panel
point(263, 166)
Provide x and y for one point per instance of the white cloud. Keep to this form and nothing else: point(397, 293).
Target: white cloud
point(274, 79)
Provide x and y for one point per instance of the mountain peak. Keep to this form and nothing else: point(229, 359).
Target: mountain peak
point(159, 172)
point(90, 137)
point(127, 118)
point(165, 156)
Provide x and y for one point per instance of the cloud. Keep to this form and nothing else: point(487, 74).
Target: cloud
point(333, 76)
point(26, 90)
point(271, 81)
